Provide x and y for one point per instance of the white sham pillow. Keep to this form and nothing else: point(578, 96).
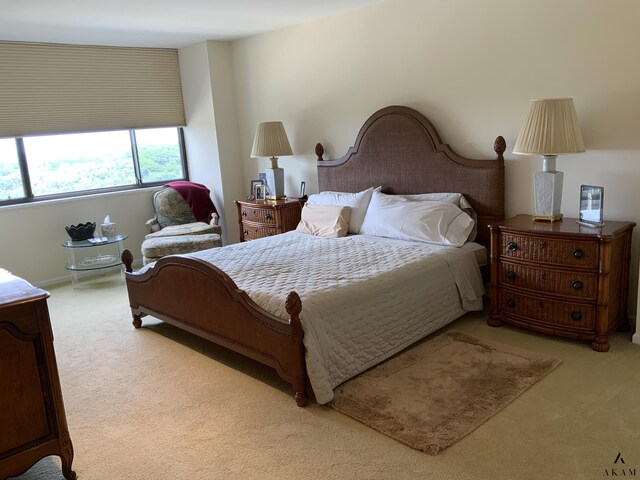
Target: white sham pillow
point(330, 221)
point(394, 216)
point(357, 201)
point(457, 199)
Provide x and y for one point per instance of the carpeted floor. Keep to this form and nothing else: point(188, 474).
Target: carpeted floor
point(160, 404)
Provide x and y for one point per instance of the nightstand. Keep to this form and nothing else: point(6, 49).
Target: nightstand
point(561, 278)
point(264, 218)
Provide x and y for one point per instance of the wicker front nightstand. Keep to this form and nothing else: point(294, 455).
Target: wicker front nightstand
point(264, 218)
point(561, 278)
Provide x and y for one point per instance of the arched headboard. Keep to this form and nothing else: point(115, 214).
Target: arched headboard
point(400, 149)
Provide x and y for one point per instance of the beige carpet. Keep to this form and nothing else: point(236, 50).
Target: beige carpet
point(159, 404)
point(440, 390)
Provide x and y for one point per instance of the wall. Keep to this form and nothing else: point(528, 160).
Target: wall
point(471, 66)
point(30, 235)
point(211, 135)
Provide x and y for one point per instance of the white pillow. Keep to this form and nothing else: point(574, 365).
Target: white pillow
point(329, 221)
point(457, 199)
point(357, 201)
point(427, 221)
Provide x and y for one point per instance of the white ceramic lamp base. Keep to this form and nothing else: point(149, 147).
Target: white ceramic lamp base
point(548, 187)
point(275, 182)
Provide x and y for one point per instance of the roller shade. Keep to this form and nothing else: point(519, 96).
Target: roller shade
point(46, 88)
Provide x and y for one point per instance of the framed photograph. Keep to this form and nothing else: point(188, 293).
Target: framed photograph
point(254, 184)
point(263, 177)
point(260, 192)
point(591, 205)
point(303, 185)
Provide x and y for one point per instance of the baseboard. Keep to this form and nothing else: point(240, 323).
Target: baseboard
point(52, 282)
point(633, 319)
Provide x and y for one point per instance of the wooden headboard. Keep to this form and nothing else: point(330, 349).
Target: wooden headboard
point(401, 150)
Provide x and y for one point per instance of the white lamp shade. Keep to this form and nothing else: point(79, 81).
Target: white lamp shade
point(551, 128)
point(270, 141)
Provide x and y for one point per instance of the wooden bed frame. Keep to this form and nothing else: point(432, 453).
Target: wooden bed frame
point(397, 148)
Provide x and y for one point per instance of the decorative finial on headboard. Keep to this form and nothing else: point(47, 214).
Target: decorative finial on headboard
point(319, 151)
point(499, 146)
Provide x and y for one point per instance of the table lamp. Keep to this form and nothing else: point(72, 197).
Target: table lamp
point(271, 141)
point(550, 129)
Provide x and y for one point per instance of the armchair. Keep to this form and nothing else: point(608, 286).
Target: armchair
point(175, 229)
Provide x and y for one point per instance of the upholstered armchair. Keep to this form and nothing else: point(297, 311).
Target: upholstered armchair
point(175, 229)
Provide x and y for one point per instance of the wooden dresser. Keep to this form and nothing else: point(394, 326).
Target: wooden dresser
point(33, 424)
point(264, 218)
point(561, 278)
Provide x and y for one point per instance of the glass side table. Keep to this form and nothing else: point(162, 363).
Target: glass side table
point(94, 254)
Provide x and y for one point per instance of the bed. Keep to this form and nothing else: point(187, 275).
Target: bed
point(206, 293)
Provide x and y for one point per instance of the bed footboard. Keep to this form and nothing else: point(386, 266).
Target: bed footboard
point(202, 299)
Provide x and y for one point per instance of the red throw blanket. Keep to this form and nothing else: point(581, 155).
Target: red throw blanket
point(197, 196)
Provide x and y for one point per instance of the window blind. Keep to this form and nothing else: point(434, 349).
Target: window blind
point(47, 88)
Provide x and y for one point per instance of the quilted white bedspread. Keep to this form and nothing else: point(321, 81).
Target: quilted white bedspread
point(364, 298)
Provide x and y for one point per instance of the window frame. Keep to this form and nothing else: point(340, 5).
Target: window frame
point(26, 180)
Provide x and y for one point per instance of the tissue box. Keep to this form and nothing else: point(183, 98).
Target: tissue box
point(108, 229)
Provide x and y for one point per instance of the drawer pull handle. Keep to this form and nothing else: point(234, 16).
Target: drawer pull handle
point(511, 274)
point(578, 253)
point(244, 214)
point(511, 303)
point(577, 285)
point(268, 216)
point(577, 316)
point(543, 244)
point(512, 246)
point(245, 232)
point(543, 275)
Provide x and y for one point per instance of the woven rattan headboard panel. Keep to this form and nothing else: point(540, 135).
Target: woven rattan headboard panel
point(401, 150)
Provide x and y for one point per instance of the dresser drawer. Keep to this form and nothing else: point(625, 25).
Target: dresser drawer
point(258, 215)
point(572, 284)
point(574, 316)
point(253, 232)
point(579, 253)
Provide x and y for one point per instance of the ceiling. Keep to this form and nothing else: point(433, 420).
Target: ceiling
point(155, 23)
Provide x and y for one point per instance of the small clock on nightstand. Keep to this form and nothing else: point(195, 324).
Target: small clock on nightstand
point(561, 278)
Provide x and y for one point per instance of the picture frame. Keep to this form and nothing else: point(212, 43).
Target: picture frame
point(303, 186)
point(591, 205)
point(263, 177)
point(255, 183)
point(260, 191)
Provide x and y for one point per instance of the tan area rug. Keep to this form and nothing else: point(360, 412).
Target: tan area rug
point(439, 391)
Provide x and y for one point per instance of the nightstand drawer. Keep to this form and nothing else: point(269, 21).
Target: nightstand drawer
point(258, 215)
point(572, 284)
point(575, 316)
point(579, 253)
point(252, 232)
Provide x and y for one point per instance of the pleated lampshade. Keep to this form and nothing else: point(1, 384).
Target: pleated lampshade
point(271, 140)
point(551, 128)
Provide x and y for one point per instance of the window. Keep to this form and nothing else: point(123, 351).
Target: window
point(10, 177)
point(159, 154)
point(69, 164)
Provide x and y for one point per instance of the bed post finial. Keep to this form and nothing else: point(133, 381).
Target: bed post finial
point(293, 305)
point(499, 146)
point(127, 259)
point(319, 151)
